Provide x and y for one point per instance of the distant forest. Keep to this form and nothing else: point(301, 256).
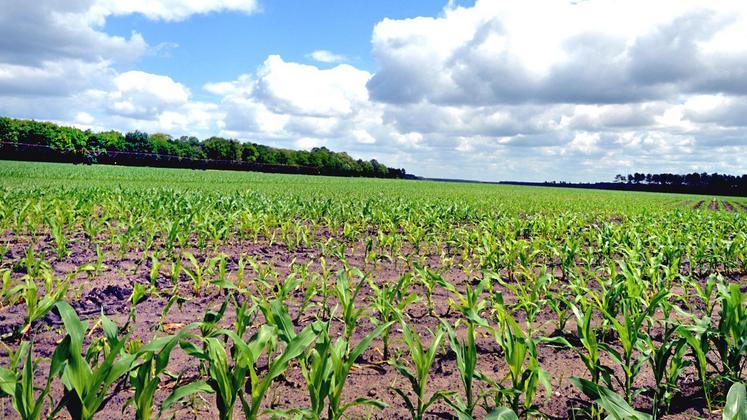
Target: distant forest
point(45, 141)
point(694, 183)
point(715, 183)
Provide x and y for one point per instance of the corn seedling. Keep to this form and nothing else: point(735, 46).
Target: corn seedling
point(422, 359)
point(87, 385)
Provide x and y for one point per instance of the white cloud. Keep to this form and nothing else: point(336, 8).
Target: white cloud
point(58, 63)
point(54, 31)
point(601, 51)
point(84, 118)
point(54, 48)
point(324, 56)
point(301, 89)
point(308, 143)
point(363, 136)
point(144, 95)
point(585, 143)
point(170, 10)
point(52, 78)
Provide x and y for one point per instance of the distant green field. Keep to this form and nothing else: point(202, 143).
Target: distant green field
point(417, 193)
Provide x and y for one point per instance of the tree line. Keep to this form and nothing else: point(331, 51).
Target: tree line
point(714, 180)
point(694, 183)
point(45, 141)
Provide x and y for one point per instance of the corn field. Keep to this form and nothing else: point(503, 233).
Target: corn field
point(157, 293)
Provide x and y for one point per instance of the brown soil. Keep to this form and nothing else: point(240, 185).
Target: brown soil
point(727, 206)
point(713, 206)
point(699, 204)
point(110, 289)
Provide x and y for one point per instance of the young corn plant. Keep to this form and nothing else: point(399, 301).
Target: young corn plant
point(58, 234)
point(246, 313)
point(466, 363)
point(37, 306)
point(631, 336)
point(422, 359)
point(470, 305)
point(560, 302)
point(524, 372)
point(325, 367)
point(666, 359)
point(311, 288)
point(346, 296)
point(155, 269)
point(531, 293)
point(33, 264)
point(17, 381)
point(390, 302)
point(589, 337)
point(696, 335)
point(608, 296)
point(145, 375)
point(199, 273)
point(87, 380)
point(223, 281)
point(11, 292)
point(429, 280)
point(730, 338)
point(705, 293)
point(98, 264)
point(324, 311)
point(227, 378)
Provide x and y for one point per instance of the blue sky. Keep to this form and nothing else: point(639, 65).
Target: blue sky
point(218, 46)
point(492, 90)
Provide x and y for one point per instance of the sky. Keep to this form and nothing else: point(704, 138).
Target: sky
point(528, 90)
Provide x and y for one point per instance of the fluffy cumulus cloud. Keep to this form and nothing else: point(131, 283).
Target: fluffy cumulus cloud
point(57, 62)
point(597, 51)
point(298, 89)
point(571, 90)
point(300, 105)
point(144, 95)
point(530, 90)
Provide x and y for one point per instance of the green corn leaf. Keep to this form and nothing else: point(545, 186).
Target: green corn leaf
point(365, 401)
point(365, 343)
point(736, 403)
point(406, 399)
point(185, 391)
point(218, 366)
point(437, 396)
point(502, 413)
point(7, 381)
point(109, 327)
point(295, 348)
point(613, 404)
point(402, 369)
point(74, 326)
